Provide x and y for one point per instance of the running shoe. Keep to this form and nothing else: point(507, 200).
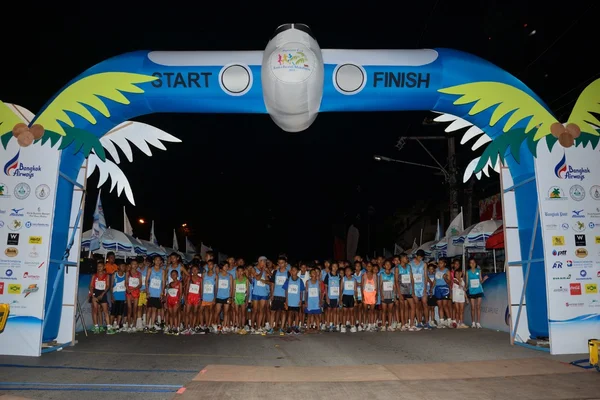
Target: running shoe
point(473, 325)
point(478, 325)
point(96, 329)
point(110, 331)
point(343, 329)
point(353, 329)
point(281, 332)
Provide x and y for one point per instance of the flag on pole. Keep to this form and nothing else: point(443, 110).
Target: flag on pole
point(175, 243)
point(152, 236)
point(189, 247)
point(127, 228)
point(438, 232)
point(203, 250)
point(398, 249)
point(351, 242)
point(455, 228)
point(98, 226)
point(414, 247)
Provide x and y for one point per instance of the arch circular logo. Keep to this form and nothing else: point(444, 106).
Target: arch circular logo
point(42, 192)
point(9, 272)
point(15, 225)
point(595, 192)
point(581, 253)
point(4, 190)
point(577, 192)
point(292, 63)
point(22, 191)
point(579, 226)
point(556, 193)
point(11, 252)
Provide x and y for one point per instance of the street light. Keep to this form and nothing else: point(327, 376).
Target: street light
point(142, 221)
point(183, 225)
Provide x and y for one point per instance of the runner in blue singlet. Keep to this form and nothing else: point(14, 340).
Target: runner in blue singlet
point(417, 266)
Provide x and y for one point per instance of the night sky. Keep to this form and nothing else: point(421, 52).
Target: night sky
point(244, 186)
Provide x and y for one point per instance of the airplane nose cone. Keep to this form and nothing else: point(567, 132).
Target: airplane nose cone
point(292, 77)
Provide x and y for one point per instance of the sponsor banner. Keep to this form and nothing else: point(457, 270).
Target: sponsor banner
point(27, 190)
point(569, 201)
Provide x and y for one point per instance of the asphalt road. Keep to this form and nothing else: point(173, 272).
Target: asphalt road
point(131, 366)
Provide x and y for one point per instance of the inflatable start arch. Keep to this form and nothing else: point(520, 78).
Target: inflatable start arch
point(293, 80)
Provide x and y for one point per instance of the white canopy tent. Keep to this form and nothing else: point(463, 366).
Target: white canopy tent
point(426, 247)
point(153, 249)
point(116, 241)
point(480, 232)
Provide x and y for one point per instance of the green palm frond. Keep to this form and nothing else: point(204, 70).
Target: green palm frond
point(508, 101)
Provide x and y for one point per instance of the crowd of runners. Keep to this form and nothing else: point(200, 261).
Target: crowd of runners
point(387, 295)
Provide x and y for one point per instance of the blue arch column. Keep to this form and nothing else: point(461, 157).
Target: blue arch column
point(170, 82)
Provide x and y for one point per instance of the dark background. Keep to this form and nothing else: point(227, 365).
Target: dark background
point(242, 185)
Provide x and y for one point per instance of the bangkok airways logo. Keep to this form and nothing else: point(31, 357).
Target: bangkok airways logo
point(562, 170)
point(11, 166)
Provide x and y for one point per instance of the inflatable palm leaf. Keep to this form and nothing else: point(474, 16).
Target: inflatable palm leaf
point(512, 105)
point(81, 96)
point(585, 114)
point(8, 119)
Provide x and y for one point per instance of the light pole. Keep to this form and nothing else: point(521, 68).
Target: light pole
point(388, 159)
point(450, 174)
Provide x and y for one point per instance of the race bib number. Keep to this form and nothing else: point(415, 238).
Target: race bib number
point(293, 289)
point(134, 282)
point(260, 284)
point(240, 288)
point(120, 286)
point(172, 292)
point(280, 280)
point(155, 283)
point(439, 275)
point(418, 278)
point(194, 288)
point(405, 278)
point(313, 292)
point(388, 286)
point(223, 283)
point(334, 291)
point(474, 283)
point(208, 288)
point(100, 285)
point(349, 285)
point(458, 295)
point(369, 287)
